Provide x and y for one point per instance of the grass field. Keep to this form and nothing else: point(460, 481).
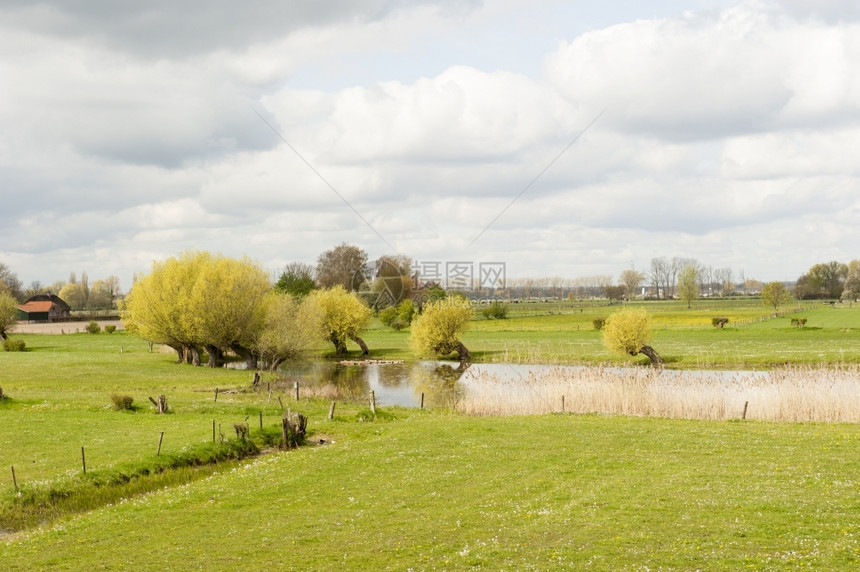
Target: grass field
point(433, 490)
point(563, 333)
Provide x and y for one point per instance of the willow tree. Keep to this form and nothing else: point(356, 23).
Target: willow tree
point(688, 284)
point(437, 331)
point(293, 327)
point(8, 313)
point(199, 301)
point(629, 331)
point(344, 316)
point(158, 305)
point(226, 310)
point(775, 294)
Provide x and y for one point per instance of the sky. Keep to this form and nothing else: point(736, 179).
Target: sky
point(560, 138)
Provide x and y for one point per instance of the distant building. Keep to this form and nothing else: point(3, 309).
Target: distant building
point(44, 308)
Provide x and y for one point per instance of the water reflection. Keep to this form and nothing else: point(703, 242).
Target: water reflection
point(442, 383)
point(393, 383)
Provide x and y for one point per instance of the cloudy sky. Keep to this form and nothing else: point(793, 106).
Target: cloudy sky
point(723, 130)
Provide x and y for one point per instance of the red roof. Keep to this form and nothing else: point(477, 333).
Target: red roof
point(31, 307)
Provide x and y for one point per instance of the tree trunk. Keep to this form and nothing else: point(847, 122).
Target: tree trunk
point(276, 363)
point(361, 344)
point(3, 336)
point(246, 354)
point(652, 355)
point(216, 358)
point(465, 354)
point(194, 355)
point(339, 345)
point(180, 352)
point(293, 427)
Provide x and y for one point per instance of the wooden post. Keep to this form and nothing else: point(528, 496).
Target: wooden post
point(296, 387)
point(373, 402)
point(213, 430)
point(562, 403)
point(261, 420)
point(744, 416)
point(160, 439)
point(14, 480)
point(84, 460)
point(216, 395)
point(331, 410)
point(422, 400)
point(281, 402)
point(269, 389)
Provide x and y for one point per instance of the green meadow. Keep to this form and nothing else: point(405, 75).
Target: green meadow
point(563, 333)
point(423, 490)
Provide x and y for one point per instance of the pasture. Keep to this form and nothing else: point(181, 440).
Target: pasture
point(430, 489)
point(563, 333)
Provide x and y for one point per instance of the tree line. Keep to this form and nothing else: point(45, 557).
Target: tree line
point(200, 303)
point(79, 294)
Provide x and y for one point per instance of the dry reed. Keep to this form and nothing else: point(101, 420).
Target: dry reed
point(790, 394)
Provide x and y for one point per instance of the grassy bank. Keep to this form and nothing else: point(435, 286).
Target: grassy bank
point(423, 489)
point(430, 491)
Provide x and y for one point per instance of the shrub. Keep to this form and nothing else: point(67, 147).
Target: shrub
point(598, 323)
point(398, 317)
point(11, 345)
point(719, 322)
point(628, 331)
point(93, 327)
point(388, 315)
point(496, 310)
point(798, 322)
point(122, 402)
point(438, 329)
point(110, 329)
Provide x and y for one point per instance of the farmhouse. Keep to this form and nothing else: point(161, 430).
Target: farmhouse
point(44, 308)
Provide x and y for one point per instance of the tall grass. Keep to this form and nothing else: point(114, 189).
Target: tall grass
point(787, 394)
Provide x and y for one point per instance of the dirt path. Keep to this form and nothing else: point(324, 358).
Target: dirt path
point(61, 327)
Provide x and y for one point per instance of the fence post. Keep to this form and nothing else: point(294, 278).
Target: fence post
point(160, 439)
point(261, 420)
point(373, 402)
point(746, 403)
point(422, 400)
point(14, 479)
point(216, 395)
point(84, 460)
point(331, 410)
point(562, 403)
point(213, 430)
point(296, 387)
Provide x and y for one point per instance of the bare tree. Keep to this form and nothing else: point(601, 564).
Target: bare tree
point(723, 278)
point(9, 283)
point(659, 275)
point(632, 280)
point(344, 265)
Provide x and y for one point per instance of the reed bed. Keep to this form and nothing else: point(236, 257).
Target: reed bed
point(787, 395)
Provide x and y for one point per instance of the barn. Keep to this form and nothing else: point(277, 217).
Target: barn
point(44, 308)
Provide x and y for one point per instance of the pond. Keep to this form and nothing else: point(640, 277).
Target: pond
point(443, 383)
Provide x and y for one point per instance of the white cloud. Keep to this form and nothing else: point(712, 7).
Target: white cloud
point(727, 135)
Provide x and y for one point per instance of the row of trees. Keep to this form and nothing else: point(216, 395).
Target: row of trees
point(384, 282)
point(834, 280)
point(78, 294)
point(199, 302)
